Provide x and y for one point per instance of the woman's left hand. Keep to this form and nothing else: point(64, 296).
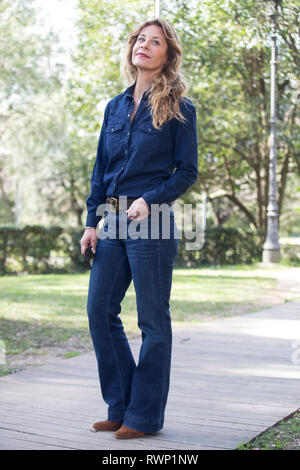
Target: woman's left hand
point(138, 210)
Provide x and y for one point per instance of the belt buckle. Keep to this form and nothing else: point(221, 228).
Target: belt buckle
point(114, 202)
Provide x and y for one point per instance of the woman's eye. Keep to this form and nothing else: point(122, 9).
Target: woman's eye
point(156, 42)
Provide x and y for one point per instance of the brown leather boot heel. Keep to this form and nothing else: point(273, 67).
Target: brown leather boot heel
point(107, 425)
point(128, 433)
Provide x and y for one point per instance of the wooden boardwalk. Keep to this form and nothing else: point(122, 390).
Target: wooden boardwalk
point(231, 379)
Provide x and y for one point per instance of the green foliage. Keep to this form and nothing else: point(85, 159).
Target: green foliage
point(223, 246)
point(49, 127)
point(284, 435)
point(226, 64)
point(102, 33)
point(29, 81)
point(226, 51)
point(290, 254)
point(40, 249)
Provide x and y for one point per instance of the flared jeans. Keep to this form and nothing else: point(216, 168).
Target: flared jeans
point(136, 394)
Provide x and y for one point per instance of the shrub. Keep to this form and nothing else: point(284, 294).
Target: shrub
point(39, 249)
point(221, 246)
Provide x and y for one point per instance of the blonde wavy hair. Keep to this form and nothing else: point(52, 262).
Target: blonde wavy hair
point(167, 87)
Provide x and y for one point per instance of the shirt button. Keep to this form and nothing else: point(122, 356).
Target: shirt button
point(128, 115)
point(112, 128)
point(128, 133)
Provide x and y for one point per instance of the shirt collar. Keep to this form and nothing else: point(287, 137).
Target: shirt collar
point(129, 92)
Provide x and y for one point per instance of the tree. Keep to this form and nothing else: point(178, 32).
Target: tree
point(226, 58)
point(102, 33)
point(28, 81)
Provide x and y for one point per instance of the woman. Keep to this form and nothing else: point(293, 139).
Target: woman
point(147, 132)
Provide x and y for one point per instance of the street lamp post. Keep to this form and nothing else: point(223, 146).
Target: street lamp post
point(157, 8)
point(271, 248)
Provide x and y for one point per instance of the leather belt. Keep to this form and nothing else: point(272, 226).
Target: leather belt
point(117, 204)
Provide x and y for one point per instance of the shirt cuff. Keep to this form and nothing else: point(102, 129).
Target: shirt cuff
point(92, 220)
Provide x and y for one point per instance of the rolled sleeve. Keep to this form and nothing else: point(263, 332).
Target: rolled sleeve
point(185, 154)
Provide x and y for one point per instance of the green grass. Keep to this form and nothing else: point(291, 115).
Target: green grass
point(284, 435)
point(45, 315)
point(71, 354)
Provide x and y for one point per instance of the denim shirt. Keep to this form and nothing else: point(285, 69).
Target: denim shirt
point(137, 160)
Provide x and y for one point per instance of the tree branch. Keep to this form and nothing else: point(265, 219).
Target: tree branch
point(238, 203)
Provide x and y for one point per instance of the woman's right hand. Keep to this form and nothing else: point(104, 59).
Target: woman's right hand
point(89, 237)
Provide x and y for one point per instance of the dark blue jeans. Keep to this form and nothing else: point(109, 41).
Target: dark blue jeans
point(135, 393)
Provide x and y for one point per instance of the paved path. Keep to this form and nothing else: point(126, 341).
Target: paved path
point(231, 379)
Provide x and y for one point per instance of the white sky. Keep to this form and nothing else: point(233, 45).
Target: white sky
point(60, 16)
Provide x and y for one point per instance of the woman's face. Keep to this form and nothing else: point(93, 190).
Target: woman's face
point(150, 49)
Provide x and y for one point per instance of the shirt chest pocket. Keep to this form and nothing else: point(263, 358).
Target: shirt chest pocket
point(113, 135)
point(148, 128)
point(150, 139)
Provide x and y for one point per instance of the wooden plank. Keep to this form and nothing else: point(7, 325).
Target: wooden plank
point(189, 388)
point(66, 423)
point(103, 441)
point(35, 441)
point(174, 437)
point(178, 388)
point(69, 420)
point(230, 379)
point(17, 444)
point(80, 436)
point(174, 400)
point(179, 415)
point(181, 434)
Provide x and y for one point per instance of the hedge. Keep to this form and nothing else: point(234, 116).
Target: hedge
point(222, 246)
point(40, 249)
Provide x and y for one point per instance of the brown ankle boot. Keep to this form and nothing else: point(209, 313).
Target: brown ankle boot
point(128, 433)
point(107, 425)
